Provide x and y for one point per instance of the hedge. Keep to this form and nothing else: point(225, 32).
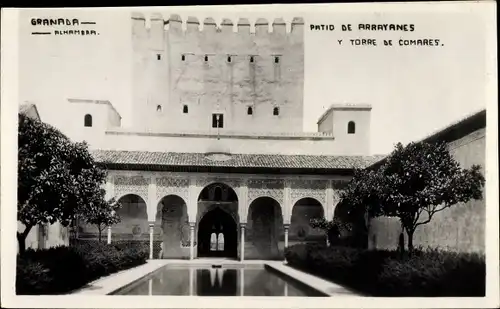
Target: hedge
point(60, 270)
point(388, 273)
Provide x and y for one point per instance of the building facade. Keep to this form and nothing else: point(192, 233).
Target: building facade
point(216, 162)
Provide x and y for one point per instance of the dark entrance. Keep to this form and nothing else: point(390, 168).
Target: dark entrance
point(217, 235)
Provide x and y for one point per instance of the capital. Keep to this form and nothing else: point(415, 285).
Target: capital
point(192, 225)
point(243, 225)
point(286, 226)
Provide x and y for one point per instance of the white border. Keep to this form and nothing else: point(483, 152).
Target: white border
point(9, 167)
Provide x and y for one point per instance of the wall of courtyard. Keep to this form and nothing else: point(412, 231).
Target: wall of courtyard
point(45, 236)
point(461, 227)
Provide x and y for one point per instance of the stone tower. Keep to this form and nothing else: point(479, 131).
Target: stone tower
point(217, 78)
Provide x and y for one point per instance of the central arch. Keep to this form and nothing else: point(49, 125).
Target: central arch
point(217, 235)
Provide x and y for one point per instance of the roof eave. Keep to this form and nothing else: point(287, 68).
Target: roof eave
point(226, 169)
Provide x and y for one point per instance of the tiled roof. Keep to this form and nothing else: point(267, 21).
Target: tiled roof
point(273, 161)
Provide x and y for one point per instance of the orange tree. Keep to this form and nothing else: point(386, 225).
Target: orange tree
point(56, 177)
point(413, 184)
point(101, 213)
point(422, 179)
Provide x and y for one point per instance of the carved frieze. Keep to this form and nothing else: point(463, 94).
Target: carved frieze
point(273, 188)
point(172, 186)
point(137, 185)
point(308, 188)
point(202, 182)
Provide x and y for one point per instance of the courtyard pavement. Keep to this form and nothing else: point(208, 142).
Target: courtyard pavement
point(111, 283)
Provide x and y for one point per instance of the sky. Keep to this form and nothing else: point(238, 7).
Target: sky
point(413, 91)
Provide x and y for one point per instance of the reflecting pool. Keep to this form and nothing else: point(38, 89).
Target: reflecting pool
point(223, 281)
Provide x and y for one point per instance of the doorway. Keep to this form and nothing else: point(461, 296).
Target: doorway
point(217, 235)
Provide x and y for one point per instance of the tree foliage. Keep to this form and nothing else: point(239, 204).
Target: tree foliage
point(363, 193)
point(101, 213)
point(414, 183)
point(332, 229)
point(55, 176)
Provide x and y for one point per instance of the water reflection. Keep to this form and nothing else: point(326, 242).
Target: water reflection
point(216, 282)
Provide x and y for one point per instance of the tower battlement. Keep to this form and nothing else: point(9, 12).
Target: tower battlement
point(242, 26)
point(186, 72)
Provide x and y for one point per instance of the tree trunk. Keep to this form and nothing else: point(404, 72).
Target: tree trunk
point(401, 243)
point(21, 239)
point(410, 241)
point(100, 234)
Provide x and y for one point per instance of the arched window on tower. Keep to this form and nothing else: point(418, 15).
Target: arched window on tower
point(351, 127)
point(185, 109)
point(158, 108)
point(276, 111)
point(87, 121)
point(250, 111)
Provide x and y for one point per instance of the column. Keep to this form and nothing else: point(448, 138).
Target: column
point(286, 226)
point(151, 235)
point(191, 240)
point(109, 235)
point(150, 287)
point(242, 241)
point(191, 281)
point(242, 282)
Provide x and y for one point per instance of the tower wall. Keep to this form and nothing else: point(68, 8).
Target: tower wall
point(219, 69)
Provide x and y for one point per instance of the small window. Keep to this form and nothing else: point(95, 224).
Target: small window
point(250, 111)
point(251, 59)
point(228, 58)
point(88, 120)
point(206, 58)
point(158, 108)
point(183, 57)
point(217, 120)
point(185, 109)
point(276, 111)
point(276, 60)
point(158, 56)
point(351, 127)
